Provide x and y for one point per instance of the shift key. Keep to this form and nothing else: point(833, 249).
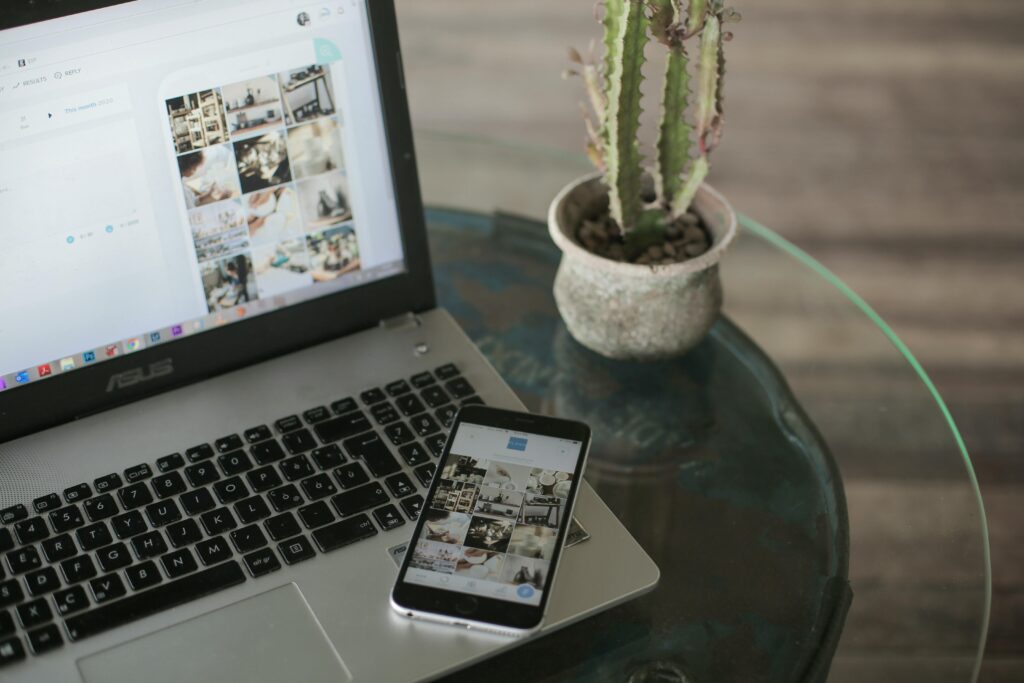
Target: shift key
point(342, 533)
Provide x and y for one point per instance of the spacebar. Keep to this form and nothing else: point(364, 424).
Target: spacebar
point(156, 600)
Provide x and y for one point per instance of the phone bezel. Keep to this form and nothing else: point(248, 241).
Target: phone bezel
point(439, 604)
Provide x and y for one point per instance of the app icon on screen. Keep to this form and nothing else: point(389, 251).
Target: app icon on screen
point(112, 350)
point(133, 344)
point(21, 377)
point(3, 384)
point(67, 364)
point(154, 336)
point(44, 370)
point(176, 331)
point(89, 356)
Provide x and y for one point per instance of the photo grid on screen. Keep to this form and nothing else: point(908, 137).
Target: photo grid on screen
point(265, 183)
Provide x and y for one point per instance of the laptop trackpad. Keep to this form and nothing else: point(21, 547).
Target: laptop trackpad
point(271, 637)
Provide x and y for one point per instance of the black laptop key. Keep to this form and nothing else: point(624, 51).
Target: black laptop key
point(66, 519)
point(351, 475)
point(70, 600)
point(436, 444)
point(316, 515)
point(460, 388)
point(143, 576)
point(285, 498)
point(45, 639)
point(435, 396)
point(397, 388)
point(446, 415)
point(73, 494)
point(371, 396)
point(258, 433)
point(399, 433)
point(11, 651)
point(42, 581)
point(34, 613)
point(371, 449)
point(296, 550)
point(183, 533)
point(128, 524)
point(7, 626)
point(318, 414)
point(167, 485)
point(345, 405)
point(287, 424)
point(413, 454)
point(98, 535)
point(266, 452)
point(196, 502)
point(264, 479)
point(282, 526)
point(388, 517)
point(12, 514)
point(138, 473)
point(410, 404)
point(299, 441)
point(318, 487)
point(296, 468)
point(262, 562)
point(424, 425)
point(328, 457)
point(58, 548)
point(169, 463)
point(472, 401)
point(163, 513)
point(213, 550)
point(201, 474)
point(384, 413)
point(359, 499)
point(78, 569)
point(425, 473)
point(107, 588)
point(10, 593)
point(113, 557)
point(31, 530)
point(135, 496)
point(230, 490)
point(422, 379)
point(23, 560)
point(178, 563)
point(248, 538)
point(50, 501)
point(251, 510)
point(218, 521)
point(226, 444)
point(111, 482)
point(412, 506)
point(6, 540)
point(198, 453)
point(149, 545)
point(343, 533)
point(234, 463)
point(343, 427)
point(399, 485)
point(446, 372)
point(100, 508)
point(155, 600)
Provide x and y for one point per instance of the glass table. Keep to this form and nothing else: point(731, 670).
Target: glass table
point(797, 477)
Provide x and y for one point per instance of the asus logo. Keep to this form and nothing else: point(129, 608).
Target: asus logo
point(130, 378)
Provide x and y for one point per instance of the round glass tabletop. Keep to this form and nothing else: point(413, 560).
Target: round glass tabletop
point(797, 477)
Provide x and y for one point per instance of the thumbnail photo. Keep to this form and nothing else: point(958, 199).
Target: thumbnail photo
point(218, 229)
point(465, 469)
point(228, 282)
point(315, 148)
point(324, 200)
point(537, 542)
point(445, 527)
point(197, 120)
point(281, 267)
point(262, 161)
point(480, 564)
point(507, 476)
point(454, 496)
point(252, 105)
point(333, 252)
point(549, 482)
point(208, 176)
point(498, 502)
point(489, 534)
point(435, 557)
point(307, 93)
point(520, 570)
point(273, 215)
point(542, 510)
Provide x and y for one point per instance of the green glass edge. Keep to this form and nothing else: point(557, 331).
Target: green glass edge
point(806, 259)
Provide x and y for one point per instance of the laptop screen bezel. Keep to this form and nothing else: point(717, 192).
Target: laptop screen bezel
point(32, 407)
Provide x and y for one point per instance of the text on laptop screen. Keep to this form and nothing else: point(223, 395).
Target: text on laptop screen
point(170, 167)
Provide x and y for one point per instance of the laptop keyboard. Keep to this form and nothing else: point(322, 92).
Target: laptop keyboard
point(216, 515)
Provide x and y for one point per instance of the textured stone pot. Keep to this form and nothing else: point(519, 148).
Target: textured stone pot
point(624, 310)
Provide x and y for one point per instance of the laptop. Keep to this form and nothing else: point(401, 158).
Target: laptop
point(224, 377)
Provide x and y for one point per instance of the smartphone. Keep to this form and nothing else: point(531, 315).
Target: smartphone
point(485, 550)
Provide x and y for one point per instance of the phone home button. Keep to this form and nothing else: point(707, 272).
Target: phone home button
point(466, 605)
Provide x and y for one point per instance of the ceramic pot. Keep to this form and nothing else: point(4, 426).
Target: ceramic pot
point(630, 311)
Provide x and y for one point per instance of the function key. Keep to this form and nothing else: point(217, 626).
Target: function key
point(231, 442)
point(76, 493)
point(170, 462)
point(200, 452)
point(446, 372)
point(318, 414)
point(460, 388)
point(13, 514)
point(107, 483)
point(371, 396)
point(51, 501)
point(260, 433)
point(345, 405)
point(287, 424)
point(138, 473)
point(423, 379)
point(397, 388)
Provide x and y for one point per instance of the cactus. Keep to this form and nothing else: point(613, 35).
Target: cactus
point(683, 145)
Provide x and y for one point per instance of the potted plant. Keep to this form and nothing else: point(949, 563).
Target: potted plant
point(641, 244)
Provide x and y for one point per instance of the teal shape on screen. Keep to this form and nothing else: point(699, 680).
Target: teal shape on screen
point(326, 51)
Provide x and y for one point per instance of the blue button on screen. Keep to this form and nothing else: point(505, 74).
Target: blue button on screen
point(517, 443)
point(525, 591)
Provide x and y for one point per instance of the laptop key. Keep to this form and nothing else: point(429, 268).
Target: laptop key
point(171, 462)
point(23, 560)
point(460, 388)
point(375, 455)
point(218, 521)
point(472, 401)
point(128, 524)
point(251, 510)
point(213, 551)
point(446, 372)
point(42, 581)
point(10, 593)
point(12, 514)
point(299, 441)
point(45, 639)
point(318, 487)
point(282, 526)
point(7, 626)
point(142, 576)
point(410, 404)
point(248, 538)
point(413, 454)
point(70, 600)
point(345, 405)
point(168, 485)
point(287, 424)
point(183, 533)
point(228, 443)
point(31, 530)
point(399, 485)
point(397, 388)
point(149, 545)
point(201, 474)
point(388, 517)
point(138, 473)
point(425, 473)
point(328, 457)
point(371, 396)
point(424, 425)
point(78, 569)
point(113, 557)
point(343, 427)
point(11, 651)
point(108, 483)
point(435, 396)
point(262, 562)
point(196, 502)
point(234, 463)
point(296, 468)
point(264, 479)
point(412, 506)
point(135, 496)
point(316, 515)
point(179, 563)
point(359, 499)
point(230, 490)
point(163, 513)
point(58, 548)
point(200, 452)
point(34, 613)
point(343, 533)
point(107, 588)
point(50, 501)
point(258, 433)
point(422, 379)
point(73, 494)
point(399, 433)
point(155, 600)
point(285, 498)
point(100, 508)
point(384, 413)
point(446, 415)
point(318, 414)
point(6, 540)
point(351, 475)
point(436, 444)
point(94, 536)
point(266, 452)
point(296, 550)
point(66, 519)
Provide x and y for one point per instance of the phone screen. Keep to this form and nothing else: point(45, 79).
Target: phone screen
point(493, 524)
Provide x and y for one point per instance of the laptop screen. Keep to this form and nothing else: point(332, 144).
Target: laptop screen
point(167, 168)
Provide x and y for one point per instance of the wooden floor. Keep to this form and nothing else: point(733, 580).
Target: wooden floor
point(886, 138)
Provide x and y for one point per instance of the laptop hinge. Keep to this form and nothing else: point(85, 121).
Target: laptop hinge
point(401, 322)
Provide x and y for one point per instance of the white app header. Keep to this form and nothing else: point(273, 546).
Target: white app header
point(523, 448)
